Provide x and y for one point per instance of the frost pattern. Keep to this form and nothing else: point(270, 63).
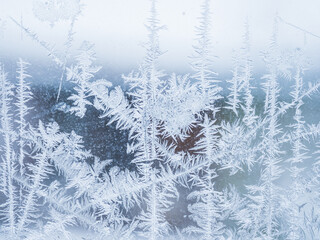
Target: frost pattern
point(53, 11)
point(190, 145)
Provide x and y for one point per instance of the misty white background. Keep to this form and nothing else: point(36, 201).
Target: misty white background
point(116, 27)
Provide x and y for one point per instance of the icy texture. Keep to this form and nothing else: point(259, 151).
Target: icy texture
point(202, 165)
point(56, 10)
